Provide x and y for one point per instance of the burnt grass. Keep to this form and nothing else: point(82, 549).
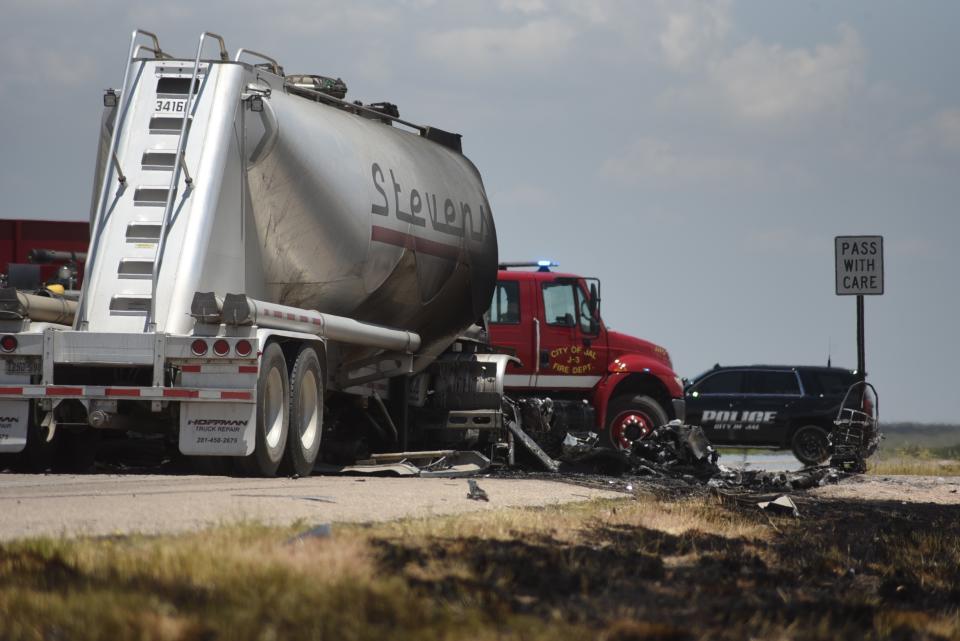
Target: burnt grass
point(845, 569)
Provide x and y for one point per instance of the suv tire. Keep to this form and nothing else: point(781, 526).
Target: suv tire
point(631, 413)
point(810, 445)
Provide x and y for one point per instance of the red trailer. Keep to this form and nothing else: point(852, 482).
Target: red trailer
point(18, 237)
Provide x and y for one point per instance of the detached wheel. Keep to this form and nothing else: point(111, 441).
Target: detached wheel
point(630, 418)
point(306, 414)
point(273, 393)
point(810, 445)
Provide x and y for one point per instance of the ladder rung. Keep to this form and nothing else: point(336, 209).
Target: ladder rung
point(135, 268)
point(158, 159)
point(167, 124)
point(129, 304)
point(151, 196)
point(143, 232)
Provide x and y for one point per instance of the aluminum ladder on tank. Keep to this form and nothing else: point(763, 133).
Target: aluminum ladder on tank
point(179, 165)
point(113, 163)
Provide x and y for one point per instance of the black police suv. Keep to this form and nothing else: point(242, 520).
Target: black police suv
point(777, 406)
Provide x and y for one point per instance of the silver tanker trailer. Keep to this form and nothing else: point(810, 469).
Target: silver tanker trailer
point(273, 272)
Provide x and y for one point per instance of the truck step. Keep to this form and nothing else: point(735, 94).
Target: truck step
point(143, 232)
point(151, 196)
point(167, 124)
point(157, 159)
point(130, 304)
point(135, 268)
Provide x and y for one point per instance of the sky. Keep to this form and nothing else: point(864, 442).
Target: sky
point(697, 156)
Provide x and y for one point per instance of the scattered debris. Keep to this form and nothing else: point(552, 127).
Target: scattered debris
point(435, 463)
point(476, 492)
point(783, 504)
point(322, 531)
point(677, 449)
point(856, 432)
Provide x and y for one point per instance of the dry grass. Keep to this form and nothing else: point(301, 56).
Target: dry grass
point(640, 568)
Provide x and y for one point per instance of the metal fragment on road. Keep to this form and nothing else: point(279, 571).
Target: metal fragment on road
point(783, 504)
point(476, 492)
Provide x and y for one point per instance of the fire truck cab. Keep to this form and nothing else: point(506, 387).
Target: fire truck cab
point(621, 386)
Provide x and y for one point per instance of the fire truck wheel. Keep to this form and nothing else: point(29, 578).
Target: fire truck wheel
point(306, 414)
point(630, 418)
point(810, 445)
point(273, 392)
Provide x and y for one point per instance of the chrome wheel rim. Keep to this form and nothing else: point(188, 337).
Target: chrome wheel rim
point(308, 401)
point(274, 405)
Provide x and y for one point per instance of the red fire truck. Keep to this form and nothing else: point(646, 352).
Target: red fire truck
point(621, 386)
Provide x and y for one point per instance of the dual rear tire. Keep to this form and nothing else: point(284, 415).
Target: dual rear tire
point(289, 414)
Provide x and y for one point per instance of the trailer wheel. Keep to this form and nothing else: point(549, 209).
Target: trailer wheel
point(306, 414)
point(630, 418)
point(273, 392)
point(810, 445)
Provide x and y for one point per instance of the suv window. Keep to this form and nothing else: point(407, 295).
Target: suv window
point(770, 382)
point(505, 307)
point(827, 383)
point(721, 383)
point(559, 304)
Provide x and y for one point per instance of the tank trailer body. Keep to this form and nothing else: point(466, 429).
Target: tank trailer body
point(270, 267)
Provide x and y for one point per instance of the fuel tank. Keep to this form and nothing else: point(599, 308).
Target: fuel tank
point(357, 217)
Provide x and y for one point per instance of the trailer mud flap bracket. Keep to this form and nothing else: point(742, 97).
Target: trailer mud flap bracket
point(217, 429)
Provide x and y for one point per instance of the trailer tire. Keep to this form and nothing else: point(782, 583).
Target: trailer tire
point(810, 444)
point(306, 414)
point(627, 414)
point(273, 393)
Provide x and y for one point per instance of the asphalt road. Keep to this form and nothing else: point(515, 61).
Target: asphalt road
point(108, 504)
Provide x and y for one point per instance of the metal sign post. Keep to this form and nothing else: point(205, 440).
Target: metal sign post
point(859, 272)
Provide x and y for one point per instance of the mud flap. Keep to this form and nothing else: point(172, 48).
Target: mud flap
point(14, 417)
point(217, 429)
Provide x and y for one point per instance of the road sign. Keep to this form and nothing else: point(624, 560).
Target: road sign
point(859, 265)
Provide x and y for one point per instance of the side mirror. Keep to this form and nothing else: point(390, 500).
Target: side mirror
point(594, 299)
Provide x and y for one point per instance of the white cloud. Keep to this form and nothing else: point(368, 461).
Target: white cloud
point(939, 133)
point(652, 159)
point(522, 6)
point(691, 30)
point(486, 49)
point(761, 82)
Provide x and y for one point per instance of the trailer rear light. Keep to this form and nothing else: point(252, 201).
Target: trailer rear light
point(221, 347)
point(243, 348)
point(8, 343)
point(199, 347)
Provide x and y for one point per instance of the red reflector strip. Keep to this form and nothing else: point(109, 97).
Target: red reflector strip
point(64, 391)
point(11, 390)
point(239, 396)
point(122, 391)
point(292, 317)
point(181, 393)
point(277, 315)
point(316, 321)
point(248, 369)
point(190, 368)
